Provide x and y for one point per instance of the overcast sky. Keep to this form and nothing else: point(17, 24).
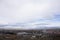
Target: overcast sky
point(30, 12)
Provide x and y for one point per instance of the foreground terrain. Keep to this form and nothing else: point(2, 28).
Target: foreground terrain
point(49, 34)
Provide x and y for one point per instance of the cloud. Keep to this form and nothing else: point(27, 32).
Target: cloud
point(14, 11)
point(3, 22)
point(42, 25)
